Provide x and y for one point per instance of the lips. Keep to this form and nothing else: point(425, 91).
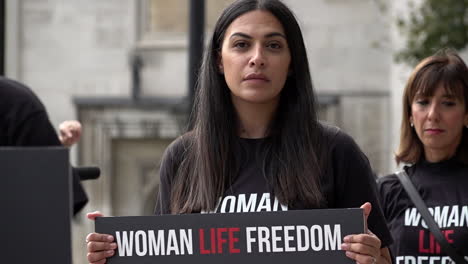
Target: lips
point(256, 77)
point(433, 131)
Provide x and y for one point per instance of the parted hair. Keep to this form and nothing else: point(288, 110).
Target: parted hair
point(293, 151)
point(445, 69)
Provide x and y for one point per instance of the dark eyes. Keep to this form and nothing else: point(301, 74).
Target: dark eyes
point(245, 45)
point(422, 102)
point(240, 44)
point(448, 103)
point(425, 102)
point(274, 45)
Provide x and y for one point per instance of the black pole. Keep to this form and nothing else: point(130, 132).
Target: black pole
point(136, 64)
point(2, 36)
point(196, 39)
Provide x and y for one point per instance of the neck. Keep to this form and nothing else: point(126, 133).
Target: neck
point(254, 118)
point(440, 154)
point(437, 156)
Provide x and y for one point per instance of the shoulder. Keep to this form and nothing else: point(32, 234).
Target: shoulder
point(387, 182)
point(392, 179)
point(176, 152)
point(328, 130)
point(389, 186)
point(388, 179)
point(392, 196)
point(20, 91)
point(180, 145)
point(344, 163)
point(16, 97)
point(342, 156)
point(340, 146)
point(335, 137)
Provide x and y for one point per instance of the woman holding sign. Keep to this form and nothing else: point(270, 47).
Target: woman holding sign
point(434, 144)
point(256, 136)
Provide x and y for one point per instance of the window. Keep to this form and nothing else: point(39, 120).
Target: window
point(167, 21)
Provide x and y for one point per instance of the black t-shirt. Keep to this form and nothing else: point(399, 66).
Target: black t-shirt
point(347, 182)
point(24, 122)
point(443, 187)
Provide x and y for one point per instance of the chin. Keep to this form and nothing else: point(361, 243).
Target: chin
point(442, 146)
point(257, 100)
point(259, 97)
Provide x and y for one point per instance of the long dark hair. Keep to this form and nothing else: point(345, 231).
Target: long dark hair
point(445, 69)
point(293, 148)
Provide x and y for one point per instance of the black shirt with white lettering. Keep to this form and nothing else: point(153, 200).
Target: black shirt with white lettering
point(443, 187)
point(347, 180)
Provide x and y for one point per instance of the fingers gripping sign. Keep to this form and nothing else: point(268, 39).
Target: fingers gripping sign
point(364, 248)
point(99, 246)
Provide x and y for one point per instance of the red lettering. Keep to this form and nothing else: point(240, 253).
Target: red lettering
point(202, 242)
point(218, 240)
point(233, 240)
point(422, 249)
point(213, 239)
point(429, 244)
point(221, 240)
point(447, 233)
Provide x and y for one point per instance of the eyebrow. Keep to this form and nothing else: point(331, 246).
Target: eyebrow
point(448, 96)
point(269, 35)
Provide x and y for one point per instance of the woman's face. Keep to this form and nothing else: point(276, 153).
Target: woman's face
point(438, 121)
point(255, 58)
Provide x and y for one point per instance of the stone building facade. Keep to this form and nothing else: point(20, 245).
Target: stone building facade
point(76, 55)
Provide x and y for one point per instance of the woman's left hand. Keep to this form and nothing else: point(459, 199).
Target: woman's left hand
point(365, 248)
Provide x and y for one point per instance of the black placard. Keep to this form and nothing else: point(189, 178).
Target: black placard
point(298, 236)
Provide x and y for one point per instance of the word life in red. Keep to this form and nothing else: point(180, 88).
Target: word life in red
point(218, 239)
point(428, 243)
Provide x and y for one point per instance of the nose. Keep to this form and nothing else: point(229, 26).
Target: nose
point(433, 114)
point(258, 57)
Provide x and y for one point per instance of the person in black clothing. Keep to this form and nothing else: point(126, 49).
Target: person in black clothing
point(24, 122)
point(256, 136)
point(434, 145)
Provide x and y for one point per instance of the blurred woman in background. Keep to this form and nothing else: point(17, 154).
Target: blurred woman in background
point(434, 145)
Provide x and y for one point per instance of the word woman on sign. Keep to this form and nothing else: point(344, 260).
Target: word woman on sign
point(243, 203)
point(256, 142)
point(161, 242)
point(445, 216)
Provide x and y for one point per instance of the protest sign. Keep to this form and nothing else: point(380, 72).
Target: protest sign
point(297, 236)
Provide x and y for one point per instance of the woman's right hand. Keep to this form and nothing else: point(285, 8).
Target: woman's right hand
point(70, 132)
point(100, 246)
